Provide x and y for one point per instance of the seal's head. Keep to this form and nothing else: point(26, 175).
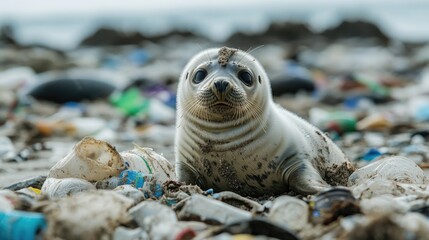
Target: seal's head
point(223, 84)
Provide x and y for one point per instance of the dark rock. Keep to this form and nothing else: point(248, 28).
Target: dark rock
point(356, 29)
point(7, 36)
point(288, 31)
point(284, 32)
point(174, 33)
point(112, 37)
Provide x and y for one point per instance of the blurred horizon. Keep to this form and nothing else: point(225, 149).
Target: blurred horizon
point(63, 25)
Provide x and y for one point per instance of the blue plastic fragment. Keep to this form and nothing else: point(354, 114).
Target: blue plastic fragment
point(209, 191)
point(131, 177)
point(352, 102)
point(158, 191)
point(171, 201)
point(372, 154)
point(138, 180)
point(17, 225)
point(316, 213)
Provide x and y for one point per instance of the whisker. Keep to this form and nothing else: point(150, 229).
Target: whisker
point(249, 51)
point(244, 55)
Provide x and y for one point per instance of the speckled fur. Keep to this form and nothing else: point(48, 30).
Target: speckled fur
point(252, 153)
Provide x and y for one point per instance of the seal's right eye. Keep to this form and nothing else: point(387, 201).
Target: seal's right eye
point(199, 76)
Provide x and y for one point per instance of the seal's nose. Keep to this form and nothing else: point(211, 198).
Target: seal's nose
point(221, 85)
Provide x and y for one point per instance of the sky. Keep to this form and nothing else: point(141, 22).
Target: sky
point(65, 23)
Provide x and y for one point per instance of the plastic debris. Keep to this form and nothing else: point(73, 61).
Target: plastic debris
point(9, 200)
point(246, 229)
point(96, 214)
point(295, 79)
point(161, 93)
point(371, 154)
point(289, 212)
point(374, 139)
point(371, 98)
point(130, 192)
point(394, 168)
point(338, 122)
point(147, 161)
point(235, 199)
point(78, 127)
point(383, 205)
point(207, 209)
point(133, 103)
point(146, 182)
point(122, 233)
point(7, 149)
point(15, 225)
point(156, 219)
point(419, 108)
point(374, 122)
point(91, 160)
point(392, 226)
point(329, 205)
point(35, 182)
point(394, 175)
point(55, 188)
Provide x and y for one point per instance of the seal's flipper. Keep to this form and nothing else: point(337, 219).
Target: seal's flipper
point(188, 175)
point(306, 180)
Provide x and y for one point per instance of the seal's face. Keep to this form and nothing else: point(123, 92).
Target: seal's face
point(221, 85)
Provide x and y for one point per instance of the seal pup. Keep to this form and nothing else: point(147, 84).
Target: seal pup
point(230, 135)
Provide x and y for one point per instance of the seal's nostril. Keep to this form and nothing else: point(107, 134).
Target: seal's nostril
point(221, 85)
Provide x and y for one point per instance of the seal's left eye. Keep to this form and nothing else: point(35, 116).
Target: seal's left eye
point(199, 76)
point(246, 77)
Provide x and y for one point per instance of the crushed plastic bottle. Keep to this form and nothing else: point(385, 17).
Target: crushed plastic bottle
point(146, 182)
point(91, 159)
point(147, 161)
